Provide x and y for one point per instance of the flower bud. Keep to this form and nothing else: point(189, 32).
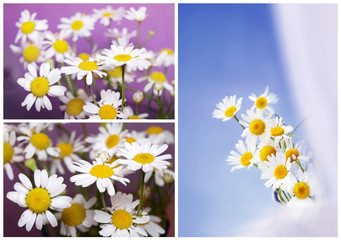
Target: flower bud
point(138, 97)
point(31, 164)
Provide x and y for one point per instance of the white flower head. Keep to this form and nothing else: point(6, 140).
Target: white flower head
point(108, 14)
point(245, 157)
point(295, 151)
point(279, 130)
point(157, 80)
point(158, 135)
point(264, 101)
point(57, 46)
point(166, 57)
point(117, 34)
point(152, 227)
point(115, 76)
point(266, 148)
point(137, 15)
point(161, 177)
point(227, 108)
point(74, 105)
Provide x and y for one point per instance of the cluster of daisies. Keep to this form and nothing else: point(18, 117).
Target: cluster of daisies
point(55, 68)
point(103, 166)
point(269, 145)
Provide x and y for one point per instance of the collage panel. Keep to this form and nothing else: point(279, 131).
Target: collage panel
point(87, 179)
point(89, 61)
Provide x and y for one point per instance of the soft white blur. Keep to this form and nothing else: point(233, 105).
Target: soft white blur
point(307, 35)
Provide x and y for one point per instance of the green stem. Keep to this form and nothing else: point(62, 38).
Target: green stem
point(285, 195)
point(141, 193)
point(92, 95)
point(104, 205)
point(235, 117)
point(280, 196)
point(138, 34)
point(20, 168)
point(96, 87)
point(123, 87)
point(59, 126)
point(297, 126)
point(68, 81)
point(45, 167)
point(299, 164)
point(150, 101)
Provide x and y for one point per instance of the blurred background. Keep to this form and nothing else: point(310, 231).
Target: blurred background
point(227, 49)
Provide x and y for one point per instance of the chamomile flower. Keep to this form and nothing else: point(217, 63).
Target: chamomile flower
point(256, 125)
point(276, 171)
point(168, 58)
point(264, 101)
point(152, 227)
point(145, 156)
point(77, 217)
point(294, 151)
point(108, 107)
point(79, 25)
point(38, 143)
point(161, 177)
point(108, 14)
point(83, 68)
point(74, 105)
point(115, 77)
point(278, 129)
point(57, 46)
point(132, 58)
point(245, 157)
point(110, 138)
point(137, 15)
point(266, 148)
point(68, 153)
point(121, 221)
point(41, 86)
point(117, 34)
point(11, 153)
point(29, 27)
point(158, 135)
point(100, 172)
point(156, 78)
point(39, 199)
point(128, 113)
point(227, 108)
point(135, 136)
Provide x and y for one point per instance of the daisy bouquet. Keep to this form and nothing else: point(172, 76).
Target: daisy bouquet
point(270, 145)
point(116, 182)
point(118, 78)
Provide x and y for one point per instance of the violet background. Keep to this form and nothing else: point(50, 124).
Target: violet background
point(13, 211)
point(160, 19)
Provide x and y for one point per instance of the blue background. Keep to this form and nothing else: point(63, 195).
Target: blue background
point(223, 50)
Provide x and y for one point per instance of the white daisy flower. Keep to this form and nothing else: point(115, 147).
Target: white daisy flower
point(245, 157)
point(110, 138)
point(77, 217)
point(145, 156)
point(108, 14)
point(138, 96)
point(262, 103)
point(135, 136)
point(83, 68)
point(37, 142)
point(122, 220)
point(266, 148)
point(256, 125)
point(152, 227)
point(294, 151)
point(156, 78)
point(161, 177)
point(276, 170)
point(29, 27)
point(168, 58)
point(108, 107)
point(41, 86)
point(74, 105)
point(68, 153)
point(11, 153)
point(57, 46)
point(278, 129)
point(115, 77)
point(128, 113)
point(136, 15)
point(39, 199)
point(158, 135)
point(227, 108)
point(79, 25)
point(132, 58)
point(116, 34)
point(100, 172)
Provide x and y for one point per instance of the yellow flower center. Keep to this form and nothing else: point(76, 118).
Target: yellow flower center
point(261, 102)
point(158, 77)
point(65, 149)
point(257, 127)
point(245, 159)
point(88, 65)
point(108, 14)
point(77, 25)
point(230, 111)
point(123, 57)
point(121, 219)
point(113, 159)
point(265, 152)
point(144, 158)
point(102, 171)
point(8, 152)
point(27, 27)
point(130, 140)
point(134, 117)
point(107, 112)
point(73, 215)
point(154, 130)
point(301, 190)
point(38, 200)
point(291, 152)
point(31, 53)
point(84, 56)
point(40, 140)
point(117, 73)
point(168, 50)
point(277, 131)
point(61, 46)
point(280, 171)
point(75, 106)
point(40, 86)
point(112, 140)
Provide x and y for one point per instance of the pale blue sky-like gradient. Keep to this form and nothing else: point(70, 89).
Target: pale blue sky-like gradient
point(223, 50)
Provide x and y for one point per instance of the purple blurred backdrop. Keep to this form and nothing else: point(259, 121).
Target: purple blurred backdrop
point(160, 19)
point(12, 211)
